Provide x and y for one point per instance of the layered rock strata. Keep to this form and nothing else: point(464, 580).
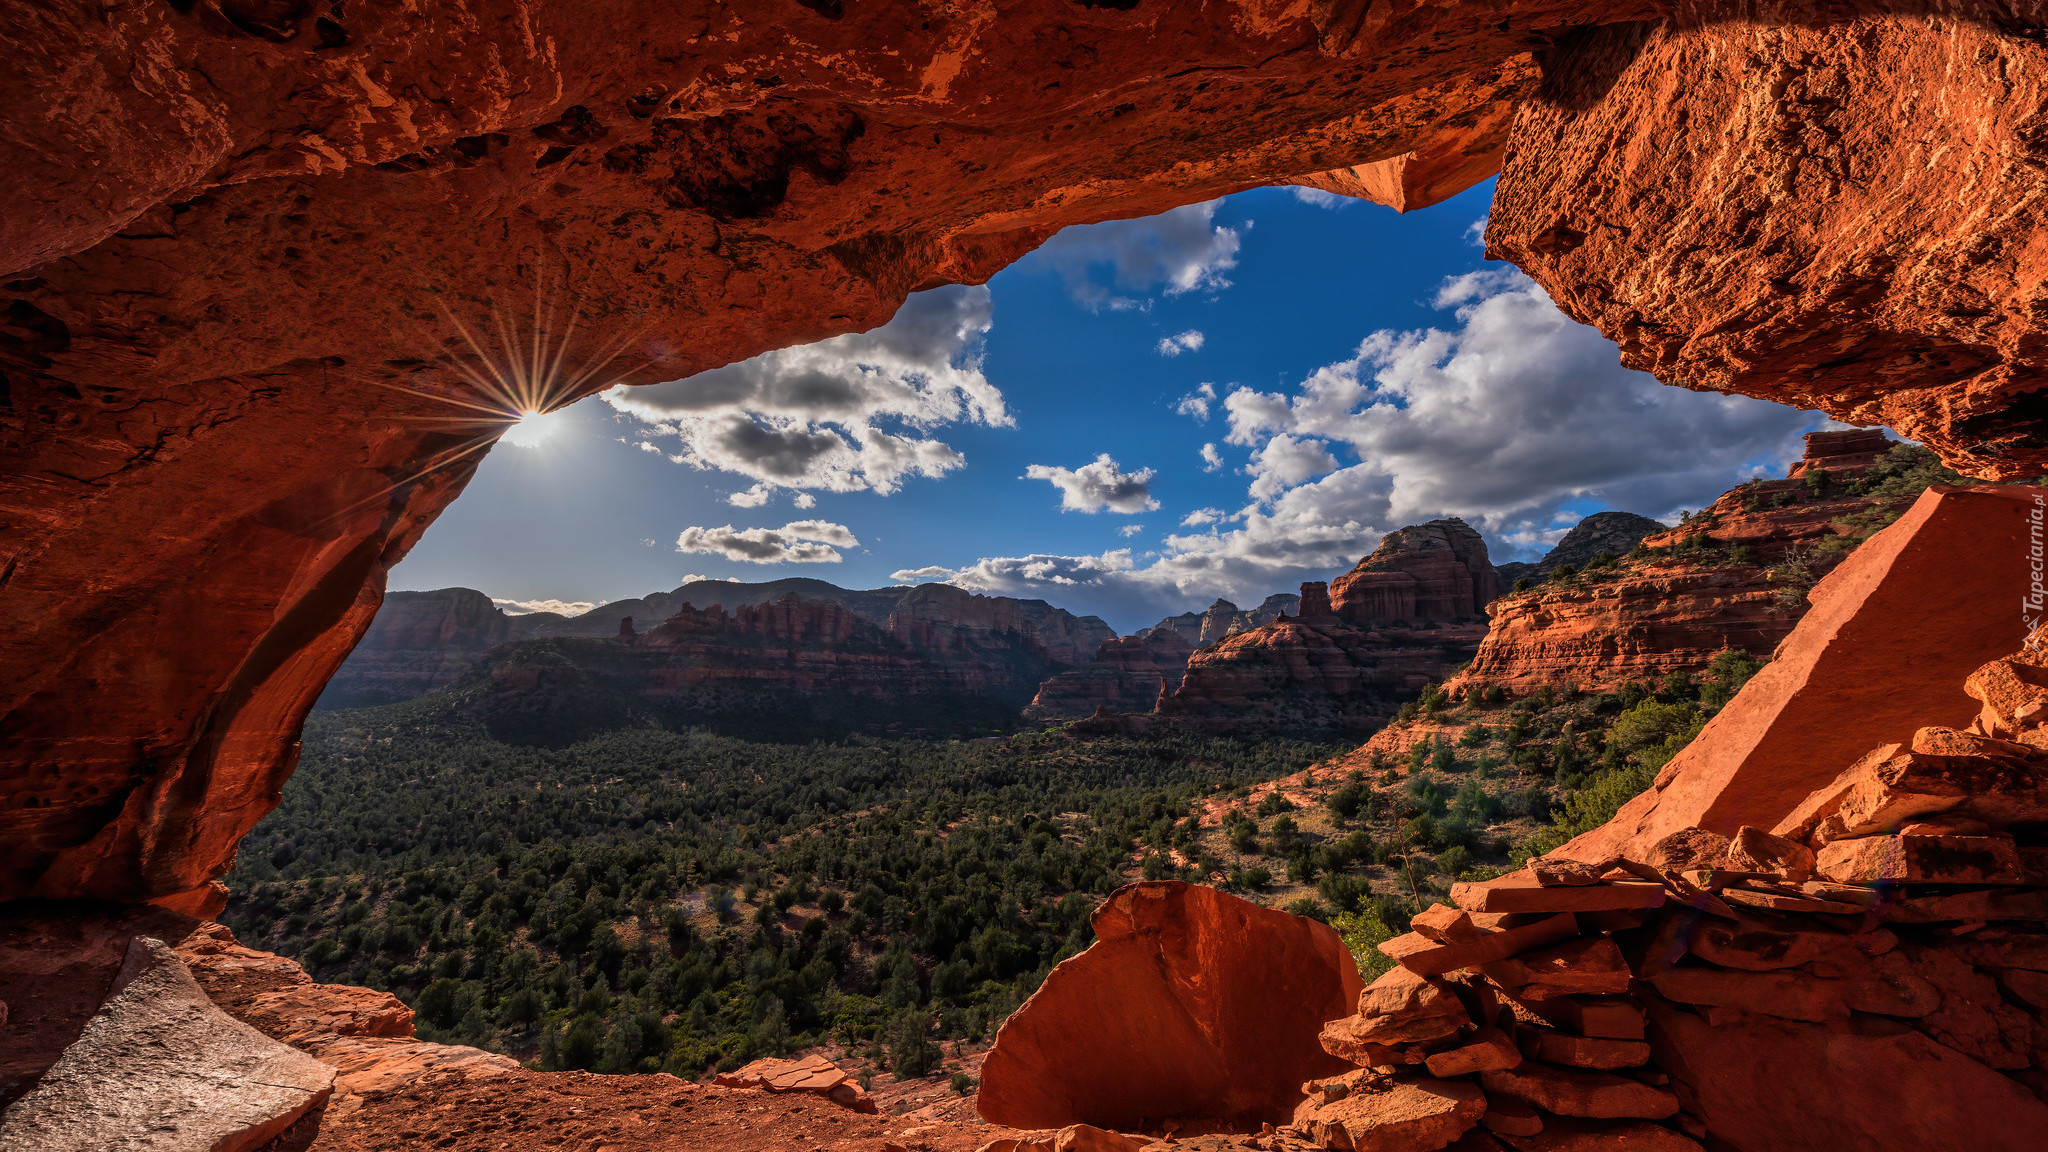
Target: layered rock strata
point(1884, 651)
point(1425, 573)
point(1674, 608)
point(1128, 674)
point(1408, 614)
point(421, 641)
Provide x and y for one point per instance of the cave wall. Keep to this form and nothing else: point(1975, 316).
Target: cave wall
point(247, 244)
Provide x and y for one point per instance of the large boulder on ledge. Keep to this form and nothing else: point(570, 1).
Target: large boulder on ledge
point(1190, 1005)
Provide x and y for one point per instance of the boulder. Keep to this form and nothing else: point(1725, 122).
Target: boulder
point(1511, 1118)
point(812, 1074)
point(1755, 850)
point(159, 1067)
point(1190, 1005)
point(1893, 633)
point(1400, 1113)
point(1919, 857)
point(1773, 1085)
point(1788, 994)
point(1470, 944)
point(1890, 786)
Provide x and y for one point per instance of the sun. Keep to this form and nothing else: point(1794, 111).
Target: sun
point(533, 429)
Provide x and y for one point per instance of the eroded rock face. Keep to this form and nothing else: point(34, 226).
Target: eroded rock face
point(1424, 573)
point(1190, 1005)
point(1740, 120)
point(1128, 674)
point(1892, 635)
point(241, 243)
point(1645, 618)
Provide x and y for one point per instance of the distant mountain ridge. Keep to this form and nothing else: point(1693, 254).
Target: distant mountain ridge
point(421, 641)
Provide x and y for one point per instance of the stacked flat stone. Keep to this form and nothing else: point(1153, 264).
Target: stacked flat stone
point(1507, 1022)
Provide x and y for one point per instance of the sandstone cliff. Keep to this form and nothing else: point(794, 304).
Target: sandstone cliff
point(1407, 615)
point(1223, 618)
point(1733, 576)
point(421, 641)
point(1425, 573)
point(1316, 672)
point(1128, 674)
point(792, 669)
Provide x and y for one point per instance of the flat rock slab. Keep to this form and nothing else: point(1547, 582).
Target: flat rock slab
point(1571, 1092)
point(1522, 892)
point(159, 1068)
point(1394, 1115)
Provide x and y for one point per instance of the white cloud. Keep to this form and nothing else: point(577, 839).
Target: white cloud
point(805, 500)
point(1285, 462)
point(847, 414)
point(1176, 252)
point(1512, 418)
point(1475, 232)
point(798, 542)
point(1196, 403)
point(1320, 198)
point(1130, 530)
point(1098, 486)
point(1188, 341)
point(923, 575)
point(1212, 460)
point(560, 607)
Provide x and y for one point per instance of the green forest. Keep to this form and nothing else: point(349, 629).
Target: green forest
point(681, 901)
point(654, 900)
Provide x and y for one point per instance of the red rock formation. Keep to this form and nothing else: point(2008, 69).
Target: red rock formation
point(944, 621)
point(1128, 674)
point(418, 642)
point(1190, 1005)
point(1306, 673)
point(234, 393)
point(1945, 345)
point(1884, 650)
point(1407, 615)
point(1674, 609)
point(1434, 572)
point(391, 1091)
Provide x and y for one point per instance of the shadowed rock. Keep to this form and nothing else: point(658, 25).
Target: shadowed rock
point(159, 1067)
point(1190, 1005)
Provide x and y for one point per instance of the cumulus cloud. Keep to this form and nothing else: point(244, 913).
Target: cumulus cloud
point(1319, 198)
point(1130, 530)
point(847, 414)
point(798, 542)
point(1475, 232)
point(1513, 417)
point(526, 607)
point(1098, 486)
point(1175, 252)
point(1212, 460)
point(1188, 341)
point(1196, 403)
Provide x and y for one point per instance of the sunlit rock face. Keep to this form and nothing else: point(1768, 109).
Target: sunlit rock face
point(256, 257)
point(1844, 217)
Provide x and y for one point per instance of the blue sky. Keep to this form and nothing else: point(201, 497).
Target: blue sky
point(1046, 435)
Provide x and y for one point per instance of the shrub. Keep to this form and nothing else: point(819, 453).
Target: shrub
point(1363, 932)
